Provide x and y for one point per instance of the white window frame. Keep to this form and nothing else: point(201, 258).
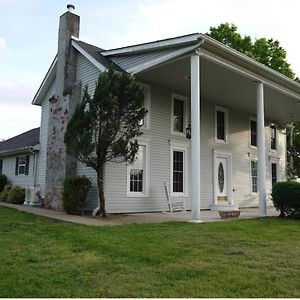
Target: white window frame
point(249, 126)
point(185, 113)
point(22, 164)
point(251, 184)
point(145, 176)
point(147, 104)
point(276, 138)
point(182, 147)
point(225, 111)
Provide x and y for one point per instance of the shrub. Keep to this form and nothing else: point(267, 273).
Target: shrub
point(75, 192)
point(16, 195)
point(286, 198)
point(3, 182)
point(4, 194)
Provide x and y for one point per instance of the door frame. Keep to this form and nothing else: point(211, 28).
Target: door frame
point(228, 156)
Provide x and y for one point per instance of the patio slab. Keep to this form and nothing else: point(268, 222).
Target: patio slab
point(136, 218)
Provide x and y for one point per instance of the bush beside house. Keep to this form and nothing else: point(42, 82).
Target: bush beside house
point(75, 192)
point(15, 194)
point(3, 182)
point(286, 198)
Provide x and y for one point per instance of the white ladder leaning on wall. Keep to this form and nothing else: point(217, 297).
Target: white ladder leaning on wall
point(178, 205)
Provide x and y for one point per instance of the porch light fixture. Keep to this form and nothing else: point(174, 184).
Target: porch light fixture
point(188, 130)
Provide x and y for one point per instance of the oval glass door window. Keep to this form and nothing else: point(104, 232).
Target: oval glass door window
point(221, 177)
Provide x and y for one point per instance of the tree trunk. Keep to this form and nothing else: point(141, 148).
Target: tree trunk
point(100, 180)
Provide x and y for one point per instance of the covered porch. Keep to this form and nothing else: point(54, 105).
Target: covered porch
point(222, 76)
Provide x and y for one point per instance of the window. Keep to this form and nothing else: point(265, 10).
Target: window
point(179, 118)
point(137, 174)
point(1, 165)
point(253, 132)
point(145, 122)
point(221, 124)
point(22, 165)
point(254, 176)
point(273, 137)
point(274, 173)
point(178, 171)
point(178, 115)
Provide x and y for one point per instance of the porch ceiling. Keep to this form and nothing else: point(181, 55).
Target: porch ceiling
point(224, 87)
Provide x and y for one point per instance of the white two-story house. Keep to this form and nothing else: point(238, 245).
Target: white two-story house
point(237, 110)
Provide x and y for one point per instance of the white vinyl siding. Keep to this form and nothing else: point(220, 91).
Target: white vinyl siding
point(161, 138)
point(41, 161)
point(9, 169)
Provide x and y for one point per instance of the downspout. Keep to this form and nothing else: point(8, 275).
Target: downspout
point(34, 166)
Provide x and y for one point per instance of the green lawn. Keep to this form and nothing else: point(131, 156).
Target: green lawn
point(243, 258)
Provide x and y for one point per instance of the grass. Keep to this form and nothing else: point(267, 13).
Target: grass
point(243, 258)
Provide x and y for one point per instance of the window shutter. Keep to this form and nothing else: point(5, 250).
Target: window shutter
point(17, 166)
point(27, 165)
point(1, 165)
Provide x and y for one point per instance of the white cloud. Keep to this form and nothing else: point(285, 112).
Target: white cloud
point(17, 115)
point(18, 119)
point(3, 45)
point(15, 93)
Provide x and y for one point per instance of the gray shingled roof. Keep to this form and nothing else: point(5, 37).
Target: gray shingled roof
point(27, 139)
point(95, 52)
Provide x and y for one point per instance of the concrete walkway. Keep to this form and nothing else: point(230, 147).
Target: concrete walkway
point(135, 218)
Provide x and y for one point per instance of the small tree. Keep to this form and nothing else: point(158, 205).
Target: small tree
point(103, 127)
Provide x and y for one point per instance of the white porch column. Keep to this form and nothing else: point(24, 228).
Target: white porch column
point(261, 150)
point(195, 140)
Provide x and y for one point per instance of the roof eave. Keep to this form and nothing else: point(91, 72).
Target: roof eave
point(27, 149)
point(50, 75)
point(157, 45)
point(285, 81)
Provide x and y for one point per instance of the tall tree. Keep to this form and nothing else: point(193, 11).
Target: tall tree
point(267, 51)
point(103, 127)
point(270, 53)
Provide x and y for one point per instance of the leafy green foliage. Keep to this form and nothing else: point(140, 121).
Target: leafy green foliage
point(75, 190)
point(4, 193)
point(103, 127)
point(294, 152)
point(267, 51)
point(3, 182)
point(286, 198)
point(16, 195)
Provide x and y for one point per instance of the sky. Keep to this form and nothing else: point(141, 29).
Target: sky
point(28, 37)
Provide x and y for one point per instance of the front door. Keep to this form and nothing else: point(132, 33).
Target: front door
point(222, 179)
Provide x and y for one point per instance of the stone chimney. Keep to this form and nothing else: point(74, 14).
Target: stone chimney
point(61, 107)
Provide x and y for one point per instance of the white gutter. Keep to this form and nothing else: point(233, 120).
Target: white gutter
point(246, 73)
point(153, 45)
point(19, 150)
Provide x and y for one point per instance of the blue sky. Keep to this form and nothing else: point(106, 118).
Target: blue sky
point(28, 37)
